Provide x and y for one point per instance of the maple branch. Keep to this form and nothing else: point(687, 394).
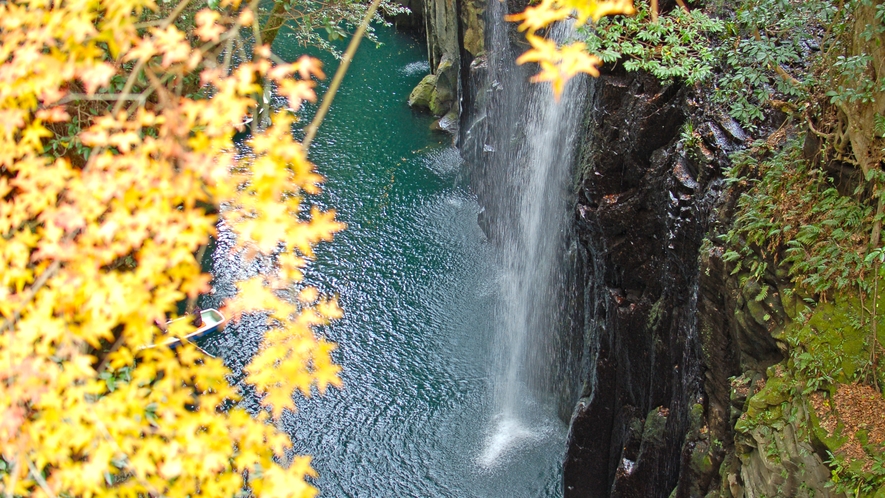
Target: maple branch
point(228, 53)
point(133, 76)
point(339, 75)
point(156, 83)
point(32, 291)
point(105, 357)
point(39, 478)
point(174, 15)
point(163, 23)
point(256, 29)
point(10, 491)
point(140, 97)
point(129, 83)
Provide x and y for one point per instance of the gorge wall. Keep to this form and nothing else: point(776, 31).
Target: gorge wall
point(678, 350)
point(666, 326)
point(672, 347)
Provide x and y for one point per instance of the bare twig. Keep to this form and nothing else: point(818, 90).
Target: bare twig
point(39, 478)
point(102, 97)
point(681, 3)
point(339, 75)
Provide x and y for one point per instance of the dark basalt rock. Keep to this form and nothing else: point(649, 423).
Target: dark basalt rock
point(645, 424)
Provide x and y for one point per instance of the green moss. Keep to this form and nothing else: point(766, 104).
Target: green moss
point(697, 415)
point(423, 92)
point(831, 345)
point(654, 428)
point(655, 314)
point(821, 436)
point(767, 402)
point(701, 459)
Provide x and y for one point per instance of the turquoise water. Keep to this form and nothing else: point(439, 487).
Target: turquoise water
point(417, 281)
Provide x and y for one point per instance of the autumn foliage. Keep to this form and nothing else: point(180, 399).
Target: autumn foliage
point(117, 162)
point(560, 63)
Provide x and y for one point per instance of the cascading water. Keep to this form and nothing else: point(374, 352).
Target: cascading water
point(527, 144)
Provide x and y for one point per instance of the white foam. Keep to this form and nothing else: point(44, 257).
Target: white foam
point(507, 435)
point(416, 68)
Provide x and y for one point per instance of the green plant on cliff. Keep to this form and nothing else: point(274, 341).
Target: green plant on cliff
point(816, 214)
point(676, 46)
point(794, 215)
point(826, 234)
point(763, 55)
point(317, 24)
point(750, 51)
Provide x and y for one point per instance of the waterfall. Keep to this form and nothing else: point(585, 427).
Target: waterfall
point(525, 142)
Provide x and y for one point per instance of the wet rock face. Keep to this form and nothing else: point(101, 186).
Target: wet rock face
point(636, 218)
point(659, 332)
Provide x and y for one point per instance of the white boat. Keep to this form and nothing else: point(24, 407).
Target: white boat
point(213, 320)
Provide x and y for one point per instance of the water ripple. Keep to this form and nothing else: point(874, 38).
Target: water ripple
point(414, 275)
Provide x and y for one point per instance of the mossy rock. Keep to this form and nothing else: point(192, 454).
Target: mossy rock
point(696, 415)
point(844, 423)
point(702, 458)
point(439, 105)
point(777, 390)
point(654, 429)
point(423, 93)
point(831, 337)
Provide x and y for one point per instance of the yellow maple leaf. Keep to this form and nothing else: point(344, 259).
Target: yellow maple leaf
point(96, 75)
point(207, 29)
point(98, 250)
point(278, 400)
point(559, 64)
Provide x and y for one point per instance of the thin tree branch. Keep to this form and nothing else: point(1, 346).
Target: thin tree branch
point(339, 75)
point(105, 358)
point(814, 130)
point(102, 97)
point(32, 291)
point(10, 492)
point(39, 478)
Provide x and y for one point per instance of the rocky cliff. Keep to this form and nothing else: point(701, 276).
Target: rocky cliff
point(682, 380)
point(454, 34)
point(674, 345)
